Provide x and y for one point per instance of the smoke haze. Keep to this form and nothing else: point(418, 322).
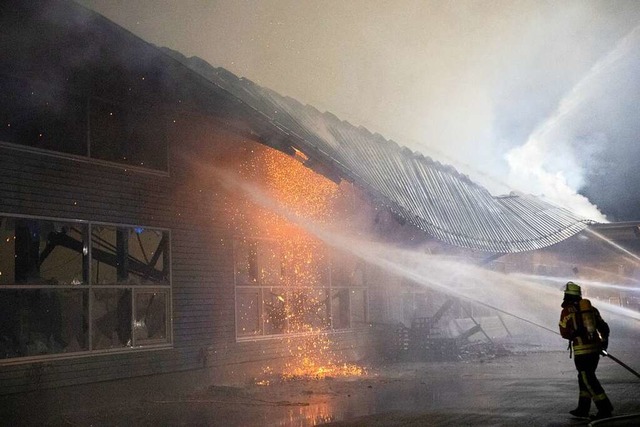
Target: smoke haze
point(527, 299)
point(533, 96)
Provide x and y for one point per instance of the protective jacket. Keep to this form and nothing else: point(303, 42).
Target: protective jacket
point(581, 324)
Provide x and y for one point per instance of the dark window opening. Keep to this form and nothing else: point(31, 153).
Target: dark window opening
point(340, 308)
point(359, 315)
point(42, 115)
point(127, 133)
point(43, 321)
point(249, 315)
point(60, 116)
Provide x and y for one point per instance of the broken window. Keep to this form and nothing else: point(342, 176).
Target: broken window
point(346, 270)
point(111, 318)
point(150, 321)
point(348, 299)
point(130, 277)
point(307, 310)
point(43, 264)
point(113, 326)
point(43, 321)
point(305, 264)
point(129, 255)
point(42, 252)
point(304, 300)
point(54, 300)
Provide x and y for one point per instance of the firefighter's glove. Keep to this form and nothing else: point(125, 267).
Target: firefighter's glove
point(604, 345)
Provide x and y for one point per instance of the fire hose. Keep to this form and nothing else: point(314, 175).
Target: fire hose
point(619, 362)
point(603, 352)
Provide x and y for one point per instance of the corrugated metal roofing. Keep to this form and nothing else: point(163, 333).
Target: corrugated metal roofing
point(433, 197)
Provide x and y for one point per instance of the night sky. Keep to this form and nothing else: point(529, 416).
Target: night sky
point(534, 96)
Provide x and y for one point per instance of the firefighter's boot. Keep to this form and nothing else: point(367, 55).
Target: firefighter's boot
point(582, 411)
point(605, 408)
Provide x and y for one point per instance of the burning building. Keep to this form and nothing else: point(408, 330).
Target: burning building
point(158, 214)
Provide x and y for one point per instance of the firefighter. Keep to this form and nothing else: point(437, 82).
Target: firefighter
point(588, 335)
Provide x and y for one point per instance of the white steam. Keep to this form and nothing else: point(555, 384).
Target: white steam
point(548, 162)
point(529, 171)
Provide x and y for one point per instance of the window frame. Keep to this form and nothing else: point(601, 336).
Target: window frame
point(89, 287)
point(262, 289)
point(85, 99)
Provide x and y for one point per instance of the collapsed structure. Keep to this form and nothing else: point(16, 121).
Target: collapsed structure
point(128, 247)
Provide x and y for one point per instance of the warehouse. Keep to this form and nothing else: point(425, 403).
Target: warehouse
point(155, 213)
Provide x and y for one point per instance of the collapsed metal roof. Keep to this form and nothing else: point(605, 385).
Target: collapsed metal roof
point(432, 196)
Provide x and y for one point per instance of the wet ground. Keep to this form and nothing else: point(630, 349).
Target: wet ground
point(532, 389)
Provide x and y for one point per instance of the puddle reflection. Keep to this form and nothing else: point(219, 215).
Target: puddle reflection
point(379, 398)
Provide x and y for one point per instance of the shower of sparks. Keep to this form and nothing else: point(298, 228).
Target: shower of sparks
point(294, 272)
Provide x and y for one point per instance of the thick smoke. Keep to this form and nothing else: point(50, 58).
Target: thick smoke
point(464, 82)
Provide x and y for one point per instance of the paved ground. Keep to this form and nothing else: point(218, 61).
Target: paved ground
point(535, 389)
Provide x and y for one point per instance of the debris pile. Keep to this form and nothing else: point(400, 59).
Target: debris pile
point(423, 341)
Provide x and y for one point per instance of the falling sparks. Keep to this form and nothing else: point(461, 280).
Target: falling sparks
point(314, 359)
point(310, 369)
point(290, 285)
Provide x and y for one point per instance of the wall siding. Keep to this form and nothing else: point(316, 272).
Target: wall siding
point(203, 297)
point(186, 200)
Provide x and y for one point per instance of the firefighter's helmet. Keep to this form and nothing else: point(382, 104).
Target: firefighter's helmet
point(573, 289)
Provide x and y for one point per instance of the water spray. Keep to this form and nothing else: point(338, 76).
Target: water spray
point(229, 180)
point(337, 240)
point(635, 259)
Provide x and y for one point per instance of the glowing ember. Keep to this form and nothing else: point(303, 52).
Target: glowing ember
point(284, 272)
point(311, 370)
point(314, 358)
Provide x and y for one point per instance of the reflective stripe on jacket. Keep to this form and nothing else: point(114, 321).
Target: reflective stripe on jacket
point(572, 328)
